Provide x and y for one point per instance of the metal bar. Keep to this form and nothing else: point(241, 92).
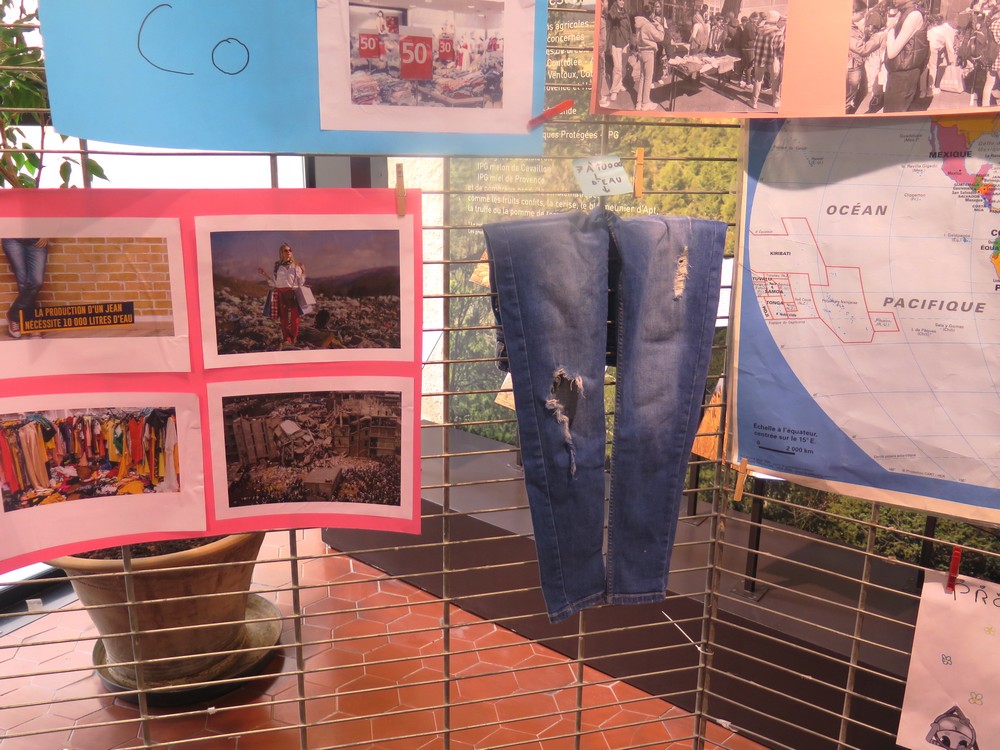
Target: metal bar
point(300, 660)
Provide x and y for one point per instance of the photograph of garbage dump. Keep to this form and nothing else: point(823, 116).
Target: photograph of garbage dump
point(304, 289)
point(441, 54)
point(316, 446)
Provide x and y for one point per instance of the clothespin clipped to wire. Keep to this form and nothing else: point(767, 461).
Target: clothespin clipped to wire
point(741, 480)
point(956, 562)
point(400, 192)
point(550, 113)
point(640, 156)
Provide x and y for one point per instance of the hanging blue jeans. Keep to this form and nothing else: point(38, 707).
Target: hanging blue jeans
point(28, 264)
point(552, 277)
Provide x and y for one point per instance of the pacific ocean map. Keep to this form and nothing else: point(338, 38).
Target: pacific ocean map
point(869, 343)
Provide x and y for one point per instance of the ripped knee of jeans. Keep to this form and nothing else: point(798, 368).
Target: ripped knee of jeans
point(565, 393)
point(681, 275)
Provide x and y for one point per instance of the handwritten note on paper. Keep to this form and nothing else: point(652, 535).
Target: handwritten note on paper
point(602, 175)
point(953, 687)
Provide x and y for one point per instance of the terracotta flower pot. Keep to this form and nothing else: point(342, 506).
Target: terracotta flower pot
point(205, 611)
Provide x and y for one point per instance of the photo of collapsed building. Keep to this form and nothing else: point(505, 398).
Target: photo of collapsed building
point(442, 54)
point(319, 446)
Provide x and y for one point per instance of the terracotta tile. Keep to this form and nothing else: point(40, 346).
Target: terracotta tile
point(360, 636)
point(319, 706)
point(415, 743)
point(24, 705)
point(650, 733)
point(56, 733)
point(591, 740)
point(7, 650)
point(66, 670)
point(321, 610)
point(368, 696)
point(471, 739)
point(340, 729)
point(109, 735)
point(80, 699)
point(492, 687)
point(391, 726)
point(524, 740)
point(464, 715)
point(238, 719)
point(282, 739)
point(335, 657)
point(353, 589)
point(554, 677)
point(424, 696)
point(679, 723)
point(382, 598)
point(521, 706)
point(323, 569)
point(17, 667)
point(507, 656)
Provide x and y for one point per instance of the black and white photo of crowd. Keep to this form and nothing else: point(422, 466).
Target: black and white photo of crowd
point(306, 289)
point(319, 446)
point(922, 55)
point(681, 56)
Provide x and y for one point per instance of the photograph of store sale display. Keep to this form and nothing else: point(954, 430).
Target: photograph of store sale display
point(442, 53)
point(353, 278)
point(62, 455)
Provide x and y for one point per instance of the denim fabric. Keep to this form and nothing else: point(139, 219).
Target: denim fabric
point(28, 264)
point(556, 279)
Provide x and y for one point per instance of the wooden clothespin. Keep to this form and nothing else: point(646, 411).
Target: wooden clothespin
point(400, 192)
point(956, 562)
point(640, 156)
point(741, 480)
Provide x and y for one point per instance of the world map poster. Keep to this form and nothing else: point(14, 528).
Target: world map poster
point(868, 297)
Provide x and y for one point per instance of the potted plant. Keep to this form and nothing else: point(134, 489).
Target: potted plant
point(193, 617)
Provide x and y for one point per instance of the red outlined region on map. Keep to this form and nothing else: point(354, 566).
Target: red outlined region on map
point(799, 285)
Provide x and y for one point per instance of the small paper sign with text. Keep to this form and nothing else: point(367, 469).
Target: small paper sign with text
point(602, 175)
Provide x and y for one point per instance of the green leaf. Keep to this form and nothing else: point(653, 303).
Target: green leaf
point(95, 169)
point(65, 171)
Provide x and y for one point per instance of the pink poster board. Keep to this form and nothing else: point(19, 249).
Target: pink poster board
point(150, 397)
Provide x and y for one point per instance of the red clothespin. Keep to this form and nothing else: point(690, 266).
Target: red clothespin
point(548, 114)
point(956, 561)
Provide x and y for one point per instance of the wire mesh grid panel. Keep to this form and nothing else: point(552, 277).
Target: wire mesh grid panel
point(787, 621)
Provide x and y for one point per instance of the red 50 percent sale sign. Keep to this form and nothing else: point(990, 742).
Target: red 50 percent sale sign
point(368, 44)
point(416, 54)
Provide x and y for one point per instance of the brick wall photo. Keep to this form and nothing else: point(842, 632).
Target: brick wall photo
point(84, 270)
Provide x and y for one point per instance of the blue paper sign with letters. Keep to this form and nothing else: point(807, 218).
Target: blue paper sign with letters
point(252, 75)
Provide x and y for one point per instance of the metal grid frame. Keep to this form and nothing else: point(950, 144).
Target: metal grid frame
point(774, 635)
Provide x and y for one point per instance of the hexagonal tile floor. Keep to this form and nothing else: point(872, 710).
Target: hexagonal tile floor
point(374, 655)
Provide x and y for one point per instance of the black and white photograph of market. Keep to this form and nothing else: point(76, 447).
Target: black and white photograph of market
point(661, 56)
